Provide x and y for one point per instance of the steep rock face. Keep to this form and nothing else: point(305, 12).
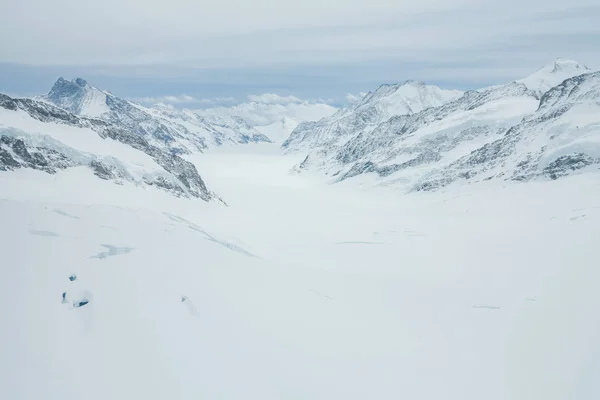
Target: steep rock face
point(178, 131)
point(15, 153)
point(78, 97)
point(35, 134)
point(560, 138)
point(364, 116)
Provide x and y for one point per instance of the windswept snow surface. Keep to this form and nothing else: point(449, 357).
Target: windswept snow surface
point(472, 292)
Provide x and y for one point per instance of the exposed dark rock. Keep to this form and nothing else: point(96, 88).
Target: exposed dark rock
point(80, 303)
point(102, 171)
point(563, 165)
point(17, 154)
point(68, 95)
point(7, 162)
point(7, 102)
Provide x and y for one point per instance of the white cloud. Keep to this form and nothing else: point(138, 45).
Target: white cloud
point(183, 100)
point(325, 101)
point(170, 99)
point(260, 110)
point(272, 98)
point(223, 100)
point(262, 114)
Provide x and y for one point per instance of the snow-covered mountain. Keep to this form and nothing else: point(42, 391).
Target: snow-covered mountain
point(438, 145)
point(407, 98)
point(364, 116)
point(273, 115)
point(560, 138)
point(179, 131)
point(406, 145)
point(35, 134)
point(214, 130)
point(552, 74)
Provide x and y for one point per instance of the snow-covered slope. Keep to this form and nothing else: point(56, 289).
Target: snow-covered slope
point(38, 135)
point(406, 146)
point(298, 290)
point(407, 98)
point(562, 137)
point(552, 74)
point(435, 146)
point(364, 116)
point(179, 131)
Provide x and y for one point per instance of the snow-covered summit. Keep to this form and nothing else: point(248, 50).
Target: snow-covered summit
point(406, 98)
point(540, 127)
point(375, 108)
point(178, 131)
point(552, 74)
point(562, 137)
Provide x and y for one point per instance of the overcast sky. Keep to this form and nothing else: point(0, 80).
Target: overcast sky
point(313, 49)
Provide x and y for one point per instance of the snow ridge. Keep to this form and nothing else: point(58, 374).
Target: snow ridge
point(38, 135)
point(375, 108)
point(178, 131)
point(491, 130)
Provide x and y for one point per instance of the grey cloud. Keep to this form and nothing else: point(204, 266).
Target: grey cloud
point(272, 32)
point(350, 46)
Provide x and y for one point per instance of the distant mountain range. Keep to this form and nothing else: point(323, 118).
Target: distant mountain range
point(180, 131)
point(413, 135)
point(421, 137)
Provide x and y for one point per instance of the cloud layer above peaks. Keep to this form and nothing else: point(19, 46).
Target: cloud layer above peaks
point(267, 32)
point(309, 49)
point(269, 108)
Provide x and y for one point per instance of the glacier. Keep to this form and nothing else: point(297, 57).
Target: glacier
point(421, 243)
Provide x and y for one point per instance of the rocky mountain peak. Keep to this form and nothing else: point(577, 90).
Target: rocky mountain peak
point(64, 87)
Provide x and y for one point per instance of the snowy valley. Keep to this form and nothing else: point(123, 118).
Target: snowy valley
point(421, 243)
